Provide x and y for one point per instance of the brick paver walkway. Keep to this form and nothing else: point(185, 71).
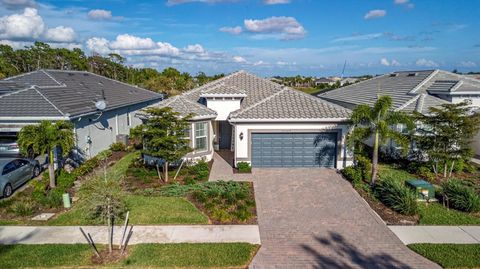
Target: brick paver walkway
point(312, 218)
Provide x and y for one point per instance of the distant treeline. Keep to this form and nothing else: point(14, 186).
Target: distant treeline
point(42, 56)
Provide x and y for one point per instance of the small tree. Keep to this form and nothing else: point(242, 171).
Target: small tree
point(43, 138)
point(445, 134)
point(377, 122)
point(163, 136)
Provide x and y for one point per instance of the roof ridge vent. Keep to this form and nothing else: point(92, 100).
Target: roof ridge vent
point(393, 75)
point(412, 74)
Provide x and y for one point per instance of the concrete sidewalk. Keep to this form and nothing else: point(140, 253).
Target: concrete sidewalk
point(141, 234)
point(437, 234)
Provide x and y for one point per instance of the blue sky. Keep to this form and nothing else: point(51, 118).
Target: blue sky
point(267, 37)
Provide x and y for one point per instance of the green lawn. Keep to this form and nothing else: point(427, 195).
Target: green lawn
point(214, 255)
point(450, 255)
point(312, 91)
point(436, 214)
point(389, 171)
point(144, 210)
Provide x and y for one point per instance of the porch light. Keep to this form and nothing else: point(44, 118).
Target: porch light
point(241, 136)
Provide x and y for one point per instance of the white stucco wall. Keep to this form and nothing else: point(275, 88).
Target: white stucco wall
point(474, 99)
point(476, 144)
point(205, 155)
point(243, 147)
point(223, 106)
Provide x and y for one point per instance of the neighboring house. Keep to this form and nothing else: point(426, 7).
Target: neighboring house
point(328, 81)
point(264, 123)
point(411, 91)
point(71, 95)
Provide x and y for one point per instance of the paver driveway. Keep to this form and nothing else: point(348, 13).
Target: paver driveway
point(312, 218)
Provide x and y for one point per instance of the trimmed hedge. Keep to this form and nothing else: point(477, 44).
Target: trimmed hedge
point(244, 167)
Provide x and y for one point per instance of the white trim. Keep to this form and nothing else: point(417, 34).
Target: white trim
point(427, 79)
point(116, 124)
point(291, 120)
point(35, 118)
point(223, 95)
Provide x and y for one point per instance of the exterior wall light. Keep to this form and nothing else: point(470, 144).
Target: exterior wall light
point(241, 136)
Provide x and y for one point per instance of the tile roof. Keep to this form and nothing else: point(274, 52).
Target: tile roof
point(75, 92)
point(289, 104)
point(28, 102)
point(407, 89)
point(266, 100)
point(222, 89)
point(185, 107)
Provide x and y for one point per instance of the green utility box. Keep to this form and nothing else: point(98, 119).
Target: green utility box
point(66, 200)
point(424, 190)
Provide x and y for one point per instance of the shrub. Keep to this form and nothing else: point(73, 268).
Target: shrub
point(426, 172)
point(23, 208)
point(119, 146)
point(365, 166)
point(244, 167)
point(461, 196)
point(352, 174)
point(394, 194)
point(200, 171)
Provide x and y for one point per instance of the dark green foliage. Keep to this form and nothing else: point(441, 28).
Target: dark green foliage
point(426, 173)
point(119, 146)
point(461, 196)
point(365, 166)
point(352, 174)
point(244, 167)
point(394, 194)
point(189, 180)
point(22, 208)
point(199, 171)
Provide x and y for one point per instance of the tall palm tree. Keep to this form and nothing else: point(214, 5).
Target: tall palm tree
point(377, 122)
point(44, 137)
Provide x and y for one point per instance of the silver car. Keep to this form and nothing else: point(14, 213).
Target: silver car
point(8, 145)
point(14, 172)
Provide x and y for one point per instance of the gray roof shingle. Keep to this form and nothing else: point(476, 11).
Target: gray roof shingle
point(266, 100)
point(410, 90)
point(185, 107)
point(75, 92)
point(27, 103)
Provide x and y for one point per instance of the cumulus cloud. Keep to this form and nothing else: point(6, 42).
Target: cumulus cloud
point(285, 28)
point(275, 2)
point(405, 3)
point(386, 62)
point(196, 49)
point(100, 14)
point(232, 30)
point(426, 63)
point(17, 4)
point(29, 26)
point(376, 13)
point(130, 42)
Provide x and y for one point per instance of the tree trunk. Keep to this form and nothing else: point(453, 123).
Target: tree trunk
point(109, 223)
point(158, 172)
point(451, 169)
point(375, 159)
point(445, 167)
point(166, 172)
point(51, 170)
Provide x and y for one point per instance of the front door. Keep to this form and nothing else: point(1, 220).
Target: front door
point(225, 130)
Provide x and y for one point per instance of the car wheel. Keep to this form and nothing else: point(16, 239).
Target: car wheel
point(36, 172)
point(7, 191)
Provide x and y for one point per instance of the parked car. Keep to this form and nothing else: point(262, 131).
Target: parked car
point(8, 145)
point(14, 172)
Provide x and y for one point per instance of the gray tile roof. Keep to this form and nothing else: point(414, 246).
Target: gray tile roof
point(9, 86)
point(409, 90)
point(185, 107)
point(75, 92)
point(222, 89)
point(266, 100)
point(27, 103)
point(289, 104)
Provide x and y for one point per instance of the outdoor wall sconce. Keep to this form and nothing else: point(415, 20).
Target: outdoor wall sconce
point(241, 136)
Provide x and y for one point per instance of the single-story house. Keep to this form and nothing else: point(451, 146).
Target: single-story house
point(264, 123)
point(411, 91)
point(327, 81)
point(74, 96)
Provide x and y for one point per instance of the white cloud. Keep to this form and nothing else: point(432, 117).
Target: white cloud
point(257, 63)
point(426, 63)
point(98, 44)
point(358, 37)
point(22, 44)
point(17, 4)
point(285, 28)
point(401, 2)
point(395, 63)
point(384, 62)
point(467, 64)
point(376, 13)
point(60, 34)
point(29, 26)
point(130, 42)
point(100, 14)
point(197, 49)
point(239, 59)
point(275, 2)
point(232, 30)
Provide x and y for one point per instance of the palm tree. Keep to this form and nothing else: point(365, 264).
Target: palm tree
point(43, 138)
point(377, 122)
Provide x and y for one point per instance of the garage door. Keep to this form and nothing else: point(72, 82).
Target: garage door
point(294, 149)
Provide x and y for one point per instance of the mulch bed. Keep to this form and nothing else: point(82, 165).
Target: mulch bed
point(108, 258)
point(389, 216)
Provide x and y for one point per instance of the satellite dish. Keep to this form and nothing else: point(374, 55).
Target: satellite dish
point(101, 105)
